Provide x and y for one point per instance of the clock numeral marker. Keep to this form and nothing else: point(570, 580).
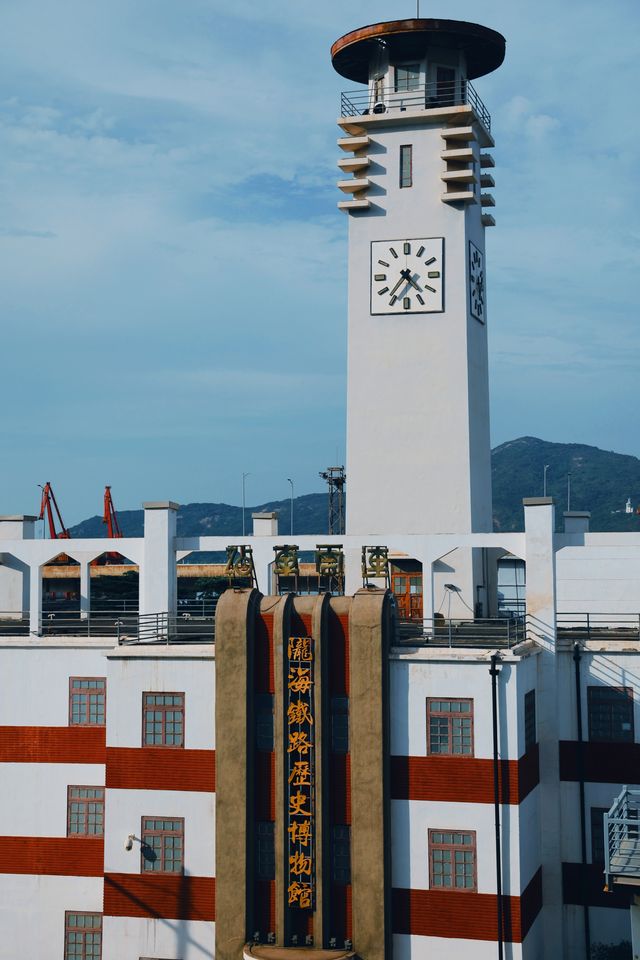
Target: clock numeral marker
point(384, 290)
point(393, 253)
point(428, 263)
point(407, 248)
point(383, 276)
point(383, 263)
point(406, 303)
point(392, 301)
point(420, 300)
point(432, 289)
point(420, 252)
point(433, 274)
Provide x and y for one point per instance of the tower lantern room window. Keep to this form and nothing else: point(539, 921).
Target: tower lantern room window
point(407, 77)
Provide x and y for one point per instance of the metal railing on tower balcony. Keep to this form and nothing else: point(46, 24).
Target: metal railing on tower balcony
point(622, 839)
point(425, 96)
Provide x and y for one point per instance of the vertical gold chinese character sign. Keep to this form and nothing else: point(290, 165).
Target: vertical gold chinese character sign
point(300, 768)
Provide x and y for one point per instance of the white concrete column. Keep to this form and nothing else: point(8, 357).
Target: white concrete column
point(427, 591)
point(35, 598)
point(539, 525)
point(158, 578)
point(265, 524)
point(262, 559)
point(17, 528)
point(85, 588)
point(576, 521)
point(352, 569)
point(14, 579)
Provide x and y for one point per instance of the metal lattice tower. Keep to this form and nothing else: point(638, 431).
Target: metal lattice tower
point(336, 479)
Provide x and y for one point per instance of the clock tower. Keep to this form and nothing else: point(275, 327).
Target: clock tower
point(415, 168)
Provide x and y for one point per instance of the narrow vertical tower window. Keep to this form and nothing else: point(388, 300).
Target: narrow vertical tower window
point(406, 165)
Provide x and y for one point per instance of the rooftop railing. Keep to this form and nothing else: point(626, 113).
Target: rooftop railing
point(442, 632)
point(598, 626)
point(425, 96)
point(622, 839)
point(195, 624)
point(14, 624)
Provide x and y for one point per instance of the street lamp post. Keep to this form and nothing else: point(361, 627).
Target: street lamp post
point(544, 480)
point(244, 477)
point(289, 480)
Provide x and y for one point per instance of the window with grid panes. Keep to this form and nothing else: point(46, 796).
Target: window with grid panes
point(450, 727)
point(162, 845)
point(406, 165)
point(87, 701)
point(529, 719)
point(82, 936)
point(85, 811)
point(610, 714)
point(163, 719)
point(407, 77)
point(452, 860)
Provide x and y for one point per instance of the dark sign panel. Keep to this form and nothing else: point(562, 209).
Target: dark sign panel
point(300, 769)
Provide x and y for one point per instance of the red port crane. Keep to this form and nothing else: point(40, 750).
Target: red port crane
point(110, 516)
point(48, 499)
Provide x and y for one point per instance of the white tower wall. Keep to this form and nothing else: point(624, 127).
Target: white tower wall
point(418, 398)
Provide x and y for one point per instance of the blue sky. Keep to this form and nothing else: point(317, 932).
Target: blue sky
point(173, 263)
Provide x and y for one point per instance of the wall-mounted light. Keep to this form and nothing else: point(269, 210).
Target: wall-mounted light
point(129, 844)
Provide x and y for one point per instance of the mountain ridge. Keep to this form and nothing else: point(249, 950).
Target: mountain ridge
point(601, 482)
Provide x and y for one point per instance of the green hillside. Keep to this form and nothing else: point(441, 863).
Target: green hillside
point(222, 519)
point(601, 481)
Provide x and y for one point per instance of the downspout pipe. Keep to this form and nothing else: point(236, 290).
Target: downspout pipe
point(577, 657)
point(494, 670)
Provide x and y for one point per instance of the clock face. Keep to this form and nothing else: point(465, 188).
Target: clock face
point(407, 276)
point(477, 291)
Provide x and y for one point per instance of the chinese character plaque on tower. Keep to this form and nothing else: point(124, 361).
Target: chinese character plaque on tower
point(300, 769)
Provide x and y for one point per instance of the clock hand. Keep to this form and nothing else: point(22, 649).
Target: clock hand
point(407, 276)
point(398, 284)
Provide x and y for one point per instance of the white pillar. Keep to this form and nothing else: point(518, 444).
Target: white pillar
point(35, 598)
point(427, 592)
point(576, 521)
point(265, 524)
point(262, 559)
point(158, 578)
point(539, 525)
point(14, 579)
point(85, 588)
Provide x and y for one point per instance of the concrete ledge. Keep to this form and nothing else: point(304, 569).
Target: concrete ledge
point(537, 501)
point(163, 651)
point(259, 952)
point(161, 505)
point(18, 518)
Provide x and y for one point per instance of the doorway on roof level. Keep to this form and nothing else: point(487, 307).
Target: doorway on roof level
point(406, 585)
